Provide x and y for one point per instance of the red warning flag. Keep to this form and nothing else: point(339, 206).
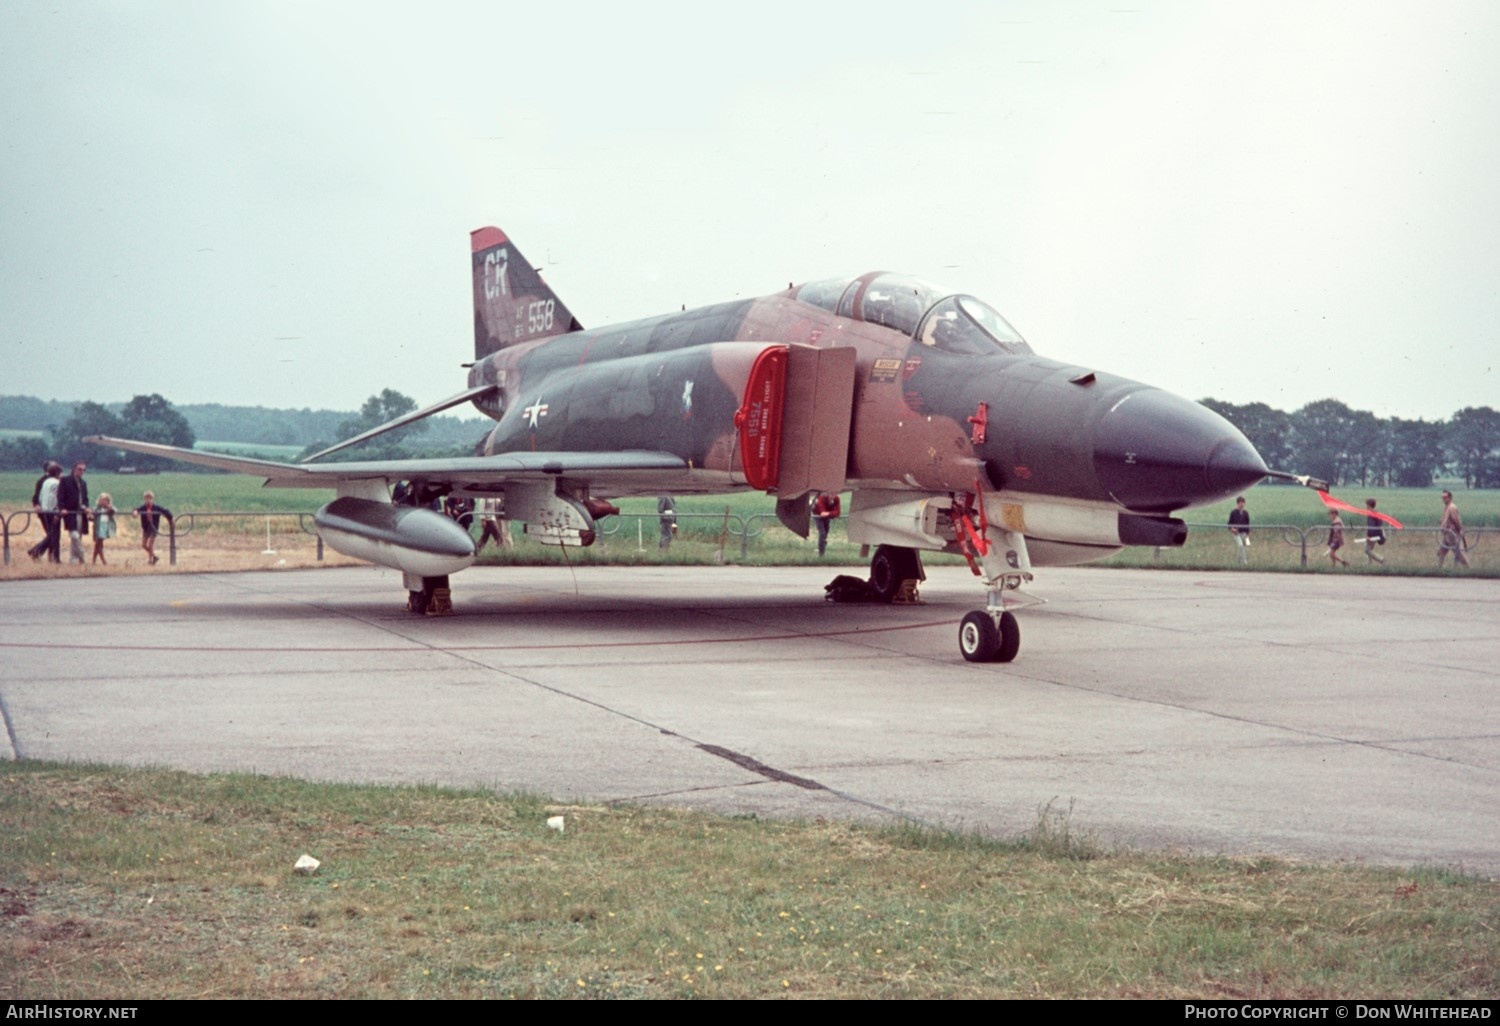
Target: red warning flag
point(1332, 503)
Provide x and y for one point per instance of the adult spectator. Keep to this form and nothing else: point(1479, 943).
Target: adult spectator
point(1451, 536)
point(666, 513)
point(35, 552)
point(826, 509)
point(73, 507)
point(47, 503)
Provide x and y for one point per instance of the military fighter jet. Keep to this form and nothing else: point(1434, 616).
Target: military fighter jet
point(950, 432)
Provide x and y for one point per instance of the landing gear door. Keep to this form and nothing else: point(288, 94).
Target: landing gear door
point(815, 427)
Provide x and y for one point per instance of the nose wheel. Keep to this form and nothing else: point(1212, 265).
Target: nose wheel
point(984, 637)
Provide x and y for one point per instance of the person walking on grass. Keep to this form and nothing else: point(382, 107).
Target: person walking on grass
point(38, 550)
point(1335, 538)
point(1374, 535)
point(51, 519)
point(1451, 538)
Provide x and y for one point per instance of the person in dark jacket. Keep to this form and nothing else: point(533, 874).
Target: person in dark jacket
point(151, 514)
point(1239, 526)
point(666, 515)
point(73, 507)
point(1374, 535)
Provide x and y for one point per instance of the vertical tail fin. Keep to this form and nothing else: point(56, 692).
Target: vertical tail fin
point(511, 302)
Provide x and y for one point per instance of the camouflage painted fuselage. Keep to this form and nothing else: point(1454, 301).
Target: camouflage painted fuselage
point(925, 417)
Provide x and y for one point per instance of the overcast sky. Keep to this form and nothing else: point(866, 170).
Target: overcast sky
point(269, 203)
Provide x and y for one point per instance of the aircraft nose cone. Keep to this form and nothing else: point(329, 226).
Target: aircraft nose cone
point(1157, 453)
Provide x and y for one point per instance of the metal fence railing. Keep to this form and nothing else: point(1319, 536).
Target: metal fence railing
point(1272, 545)
point(18, 524)
point(1408, 548)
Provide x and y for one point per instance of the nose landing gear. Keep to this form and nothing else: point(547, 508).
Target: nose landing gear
point(991, 634)
point(986, 638)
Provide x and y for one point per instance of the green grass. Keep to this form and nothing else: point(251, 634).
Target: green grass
point(156, 884)
point(1280, 518)
point(1277, 504)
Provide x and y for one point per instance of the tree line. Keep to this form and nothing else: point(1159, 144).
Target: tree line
point(1326, 439)
point(62, 426)
point(1344, 446)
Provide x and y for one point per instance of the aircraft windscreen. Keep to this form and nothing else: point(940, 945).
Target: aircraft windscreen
point(962, 324)
point(957, 324)
point(897, 301)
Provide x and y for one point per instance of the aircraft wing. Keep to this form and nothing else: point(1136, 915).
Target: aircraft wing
point(628, 470)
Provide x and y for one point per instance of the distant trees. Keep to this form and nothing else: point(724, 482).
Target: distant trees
point(24, 453)
point(1340, 445)
point(1414, 452)
point(57, 428)
point(377, 410)
point(87, 419)
point(150, 418)
point(1474, 445)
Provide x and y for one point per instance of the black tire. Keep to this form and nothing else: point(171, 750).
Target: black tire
point(889, 567)
point(1010, 638)
point(979, 640)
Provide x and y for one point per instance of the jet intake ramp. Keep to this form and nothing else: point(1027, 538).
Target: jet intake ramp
point(819, 409)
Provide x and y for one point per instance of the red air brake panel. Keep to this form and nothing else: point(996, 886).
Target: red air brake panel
point(759, 419)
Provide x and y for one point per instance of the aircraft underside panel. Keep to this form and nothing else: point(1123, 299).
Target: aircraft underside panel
point(1056, 533)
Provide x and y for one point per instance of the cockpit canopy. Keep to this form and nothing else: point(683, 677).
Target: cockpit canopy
point(930, 314)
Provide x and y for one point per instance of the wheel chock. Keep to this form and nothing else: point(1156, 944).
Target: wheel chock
point(906, 595)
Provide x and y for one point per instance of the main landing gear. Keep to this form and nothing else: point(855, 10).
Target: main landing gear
point(890, 568)
point(428, 596)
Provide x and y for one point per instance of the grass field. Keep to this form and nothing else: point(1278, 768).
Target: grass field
point(632, 538)
point(154, 884)
point(1281, 517)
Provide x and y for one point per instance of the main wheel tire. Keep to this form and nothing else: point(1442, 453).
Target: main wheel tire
point(889, 567)
point(978, 639)
point(1010, 638)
